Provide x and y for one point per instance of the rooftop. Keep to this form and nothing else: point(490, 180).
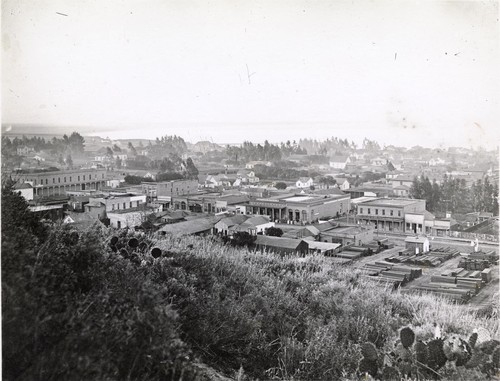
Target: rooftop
point(396, 202)
point(191, 227)
point(132, 210)
point(298, 198)
point(234, 220)
point(22, 186)
point(285, 243)
point(323, 246)
point(416, 239)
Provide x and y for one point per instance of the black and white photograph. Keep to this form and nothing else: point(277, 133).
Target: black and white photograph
point(289, 190)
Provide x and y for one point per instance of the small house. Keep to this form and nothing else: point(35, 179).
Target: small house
point(304, 182)
point(417, 244)
point(339, 162)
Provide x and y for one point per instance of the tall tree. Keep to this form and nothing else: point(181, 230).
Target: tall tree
point(69, 161)
point(191, 170)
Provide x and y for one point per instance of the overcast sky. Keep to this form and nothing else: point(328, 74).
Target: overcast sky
point(407, 73)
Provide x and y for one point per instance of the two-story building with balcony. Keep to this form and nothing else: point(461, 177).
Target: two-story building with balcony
point(388, 214)
point(60, 182)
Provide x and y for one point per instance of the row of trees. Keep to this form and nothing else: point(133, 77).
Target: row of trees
point(167, 145)
point(328, 146)
point(455, 196)
point(268, 152)
point(281, 173)
point(73, 144)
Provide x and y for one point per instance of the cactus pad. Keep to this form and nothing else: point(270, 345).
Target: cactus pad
point(368, 366)
point(473, 340)
point(437, 358)
point(369, 351)
point(421, 352)
point(488, 346)
point(390, 373)
point(407, 337)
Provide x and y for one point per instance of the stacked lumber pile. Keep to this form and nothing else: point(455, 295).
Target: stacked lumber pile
point(432, 259)
point(349, 254)
point(474, 264)
point(458, 284)
point(388, 272)
point(490, 256)
point(448, 290)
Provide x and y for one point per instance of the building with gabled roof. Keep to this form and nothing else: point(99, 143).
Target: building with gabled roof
point(304, 182)
point(418, 245)
point(339, 161)
point(199, 226)
point(227, 224)
point(281, 245)
point(325, 248)
point(254, 225)
point(79, 220)
point(25, 190)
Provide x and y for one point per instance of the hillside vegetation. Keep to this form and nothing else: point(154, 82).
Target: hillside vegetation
point(97, 305)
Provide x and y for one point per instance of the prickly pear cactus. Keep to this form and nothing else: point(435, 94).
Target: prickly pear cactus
point(368, 366)
point(437, 358)
point(485, 357)
point(488, 346)
point(369, 351)
point(473, 340)
point(421, 352)
point(390, 373)
point(407, 337)
point(411, 358)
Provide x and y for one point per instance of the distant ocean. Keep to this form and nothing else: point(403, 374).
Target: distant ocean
point(235, 134)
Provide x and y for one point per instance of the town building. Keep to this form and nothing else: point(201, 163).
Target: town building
point(247, 177)
point(60, 182)
point(324, 248)
point(401, 180)
point(254, 225)
point(401, 191)
point(200, 226)
point(418, 245)
point(346, 234)
point(25, 190)
point(119, 201)
point(131, 217)
point(281, 245)
point(252, 164)
point(342, 183)
point(304, 182)
point(339, 162)
point(24, 150)
point(389, 213)
point(48, 212)
point(370, 190)
point(300, 208)
point(79, 220)
point(165, 190)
